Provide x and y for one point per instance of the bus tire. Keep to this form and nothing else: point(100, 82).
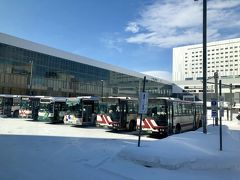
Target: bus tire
point(132, 126)
point(178, 129)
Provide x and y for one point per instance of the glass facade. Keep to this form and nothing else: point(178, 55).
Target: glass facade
point(54, 76)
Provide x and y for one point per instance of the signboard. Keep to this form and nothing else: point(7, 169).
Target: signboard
point(143, 103)
point(214, 113)
point(214, 107)
point(214, 104)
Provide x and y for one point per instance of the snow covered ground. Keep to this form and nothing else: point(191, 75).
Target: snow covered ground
point(36, 150)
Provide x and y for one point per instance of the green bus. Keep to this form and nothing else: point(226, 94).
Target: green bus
point(52, 109)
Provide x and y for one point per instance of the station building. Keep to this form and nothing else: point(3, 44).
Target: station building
point(31, 68)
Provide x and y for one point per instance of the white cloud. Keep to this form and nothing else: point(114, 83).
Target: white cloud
point(169, 23)
point(132, 27)
point(159, 74)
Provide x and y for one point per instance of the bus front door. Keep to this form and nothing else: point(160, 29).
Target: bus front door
point(123, 113)
point(88, 109)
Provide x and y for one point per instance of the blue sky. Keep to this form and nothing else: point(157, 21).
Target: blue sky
point(134, 34)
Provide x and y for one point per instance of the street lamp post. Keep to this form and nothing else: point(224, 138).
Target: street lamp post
point(30, 80)
point(102, 87)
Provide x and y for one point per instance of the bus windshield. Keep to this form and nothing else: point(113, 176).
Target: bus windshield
point(74, 108)
point(46, 107)
point(103, 108)
point(26, 105)
point(157, 109)
point(112, 109)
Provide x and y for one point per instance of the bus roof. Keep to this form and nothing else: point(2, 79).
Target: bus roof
point(52, 99)
point(9, 96)
point(120, 97)
point(93, 98)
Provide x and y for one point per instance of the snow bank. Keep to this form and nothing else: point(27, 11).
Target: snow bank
point(192, 150)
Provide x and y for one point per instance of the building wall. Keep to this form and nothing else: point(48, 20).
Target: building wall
point(57, 76)
point(222, 56)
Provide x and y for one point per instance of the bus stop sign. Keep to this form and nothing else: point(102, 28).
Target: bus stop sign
point(214, 104)
point(143, 103)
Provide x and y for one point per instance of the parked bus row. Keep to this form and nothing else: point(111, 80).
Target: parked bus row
point(165, 116)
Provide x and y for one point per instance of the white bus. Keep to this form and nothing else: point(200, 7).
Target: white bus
point(119, 113)
point(9, 105)
point(167, 116)
point(81, 110)
point(52, 109)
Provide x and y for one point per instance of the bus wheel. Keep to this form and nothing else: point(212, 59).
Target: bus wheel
point(178, 129)
point(132, 126)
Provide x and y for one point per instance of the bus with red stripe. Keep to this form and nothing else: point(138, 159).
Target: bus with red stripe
point(167, 116)
point(29, 107)
point(118, 113)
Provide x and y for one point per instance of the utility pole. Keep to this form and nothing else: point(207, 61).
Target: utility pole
point(231, 102)
point(205, 66)
point(216, 95)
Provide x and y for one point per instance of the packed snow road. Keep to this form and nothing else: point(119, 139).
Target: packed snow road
point(36, 150)
point(29, 127)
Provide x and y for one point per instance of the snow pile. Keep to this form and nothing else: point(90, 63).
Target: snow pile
point(191, 150)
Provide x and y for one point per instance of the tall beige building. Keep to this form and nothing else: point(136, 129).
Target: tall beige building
point(222, 56)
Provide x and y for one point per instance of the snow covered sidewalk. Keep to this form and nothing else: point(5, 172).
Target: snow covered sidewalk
point(191, 150)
